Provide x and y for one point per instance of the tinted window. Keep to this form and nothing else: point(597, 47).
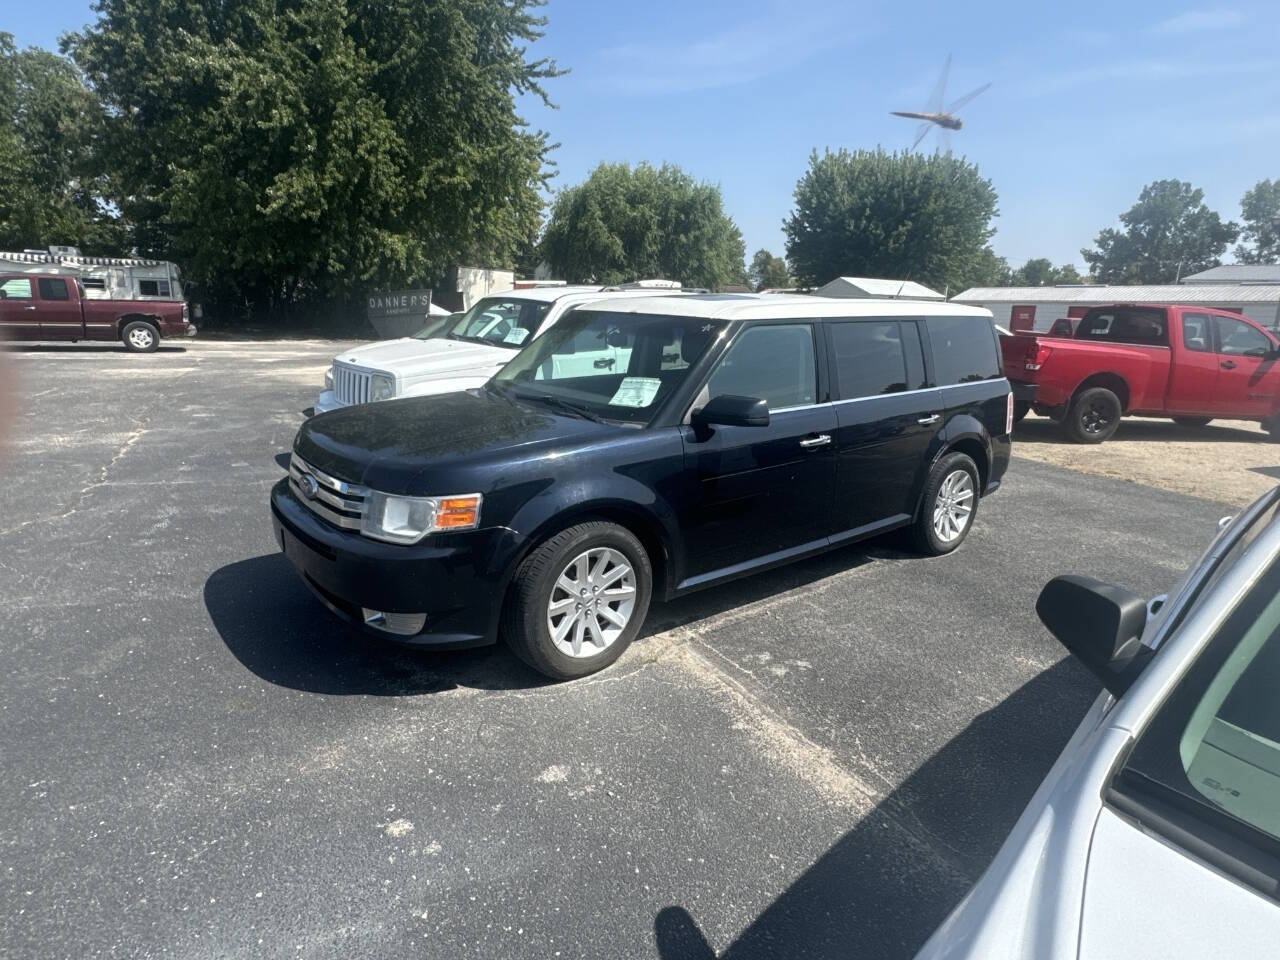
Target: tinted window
point(16, 289)
point(1239, 339)
point(53, 288)
point(1145, 325)
point(774, 363)
point(1197, 334)
point(964, 350)
point(869, 358)
point(153, 288)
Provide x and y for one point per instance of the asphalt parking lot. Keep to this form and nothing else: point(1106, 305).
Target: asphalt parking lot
point(200, 761)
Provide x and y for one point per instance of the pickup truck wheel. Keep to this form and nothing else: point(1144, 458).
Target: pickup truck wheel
point(948, 506)
point(140, 337)
point(578, 600)
point(1094, 415)
point(1193, 421)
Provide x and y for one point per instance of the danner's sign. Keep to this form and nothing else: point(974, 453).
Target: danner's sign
point(399, 313)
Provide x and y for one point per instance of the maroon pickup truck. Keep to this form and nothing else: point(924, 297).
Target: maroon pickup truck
point(46, 306)
point(1191, 364)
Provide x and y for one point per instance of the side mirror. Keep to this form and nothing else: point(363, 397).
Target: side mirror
point(1100, 624)
point(733, 411)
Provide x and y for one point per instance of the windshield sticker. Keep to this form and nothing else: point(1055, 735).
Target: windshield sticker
point(636, 392)
point(516, 335)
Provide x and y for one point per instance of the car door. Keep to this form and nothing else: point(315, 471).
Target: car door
point(59, 311)
point(886, 419)
point(18, 310)
point(759, 494)
point(1248, 379)
point(1193, 381)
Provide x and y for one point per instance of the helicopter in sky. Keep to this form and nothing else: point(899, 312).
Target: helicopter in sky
point(934, 116)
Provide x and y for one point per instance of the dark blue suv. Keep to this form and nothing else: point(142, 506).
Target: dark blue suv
point(641, 448)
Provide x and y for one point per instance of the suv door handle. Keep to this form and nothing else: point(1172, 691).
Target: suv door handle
point(932, 418)
point(821, 440)
point(1226, 364)
point(604, 363)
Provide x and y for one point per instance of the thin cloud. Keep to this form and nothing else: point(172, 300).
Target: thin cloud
point(738, 55)
point(1144, 69)
point(1199, 21)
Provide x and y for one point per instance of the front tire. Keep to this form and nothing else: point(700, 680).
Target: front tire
point(1094, 416)
point(949, 504)
point(578, 600)
point(140, 337)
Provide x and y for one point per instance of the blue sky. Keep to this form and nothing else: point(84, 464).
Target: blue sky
point(1088, 102)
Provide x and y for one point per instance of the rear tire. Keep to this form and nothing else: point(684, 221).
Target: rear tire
point(140, 337)
point(1193, 421)
point(578, 600)
point(1094, 415)
point(949, 504)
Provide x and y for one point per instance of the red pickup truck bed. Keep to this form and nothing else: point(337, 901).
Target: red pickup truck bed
point(1189, 363)
point(46, 306)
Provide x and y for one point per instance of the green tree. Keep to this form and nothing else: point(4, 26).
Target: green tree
point(768, 272)
point(1039, 271)
point(905, 215)
point(291, 150)
point(624, 223)
point(1168, 233)
point(51, 190)
point(1260, 211)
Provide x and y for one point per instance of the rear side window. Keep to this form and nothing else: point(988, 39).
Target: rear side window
point(1197, 334)
point(870, 357)
point(964, 350)
point(153, 288)
point(774, 363)
point(18, 288)
point(53, 288)
point(1142, 325)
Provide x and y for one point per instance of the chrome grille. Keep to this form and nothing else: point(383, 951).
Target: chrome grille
point(335, 501)
point(350, 384)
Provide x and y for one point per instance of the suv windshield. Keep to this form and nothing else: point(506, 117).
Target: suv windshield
point(615, 366)
point(500, 321)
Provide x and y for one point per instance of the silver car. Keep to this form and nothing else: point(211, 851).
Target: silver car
point(1157, 832)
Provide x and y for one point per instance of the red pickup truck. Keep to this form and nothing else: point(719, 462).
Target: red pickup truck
point(46, 306)
point(1192, 364)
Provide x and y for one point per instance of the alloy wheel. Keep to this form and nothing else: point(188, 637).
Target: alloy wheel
point(953, 507)
point(141, 338)
point(591, 602)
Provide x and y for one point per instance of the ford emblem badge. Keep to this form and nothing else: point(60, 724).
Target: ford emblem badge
point(309, 486)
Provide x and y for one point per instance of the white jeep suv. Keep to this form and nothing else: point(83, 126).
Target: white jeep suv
point(462, 356)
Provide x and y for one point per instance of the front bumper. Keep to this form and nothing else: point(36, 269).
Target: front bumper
point(327, 401)
point(444, 577)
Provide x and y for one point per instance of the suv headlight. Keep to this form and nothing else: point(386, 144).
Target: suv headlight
point(382, 386)
point(409, 519)
point(328, 379)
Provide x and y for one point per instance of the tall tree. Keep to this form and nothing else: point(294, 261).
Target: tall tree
point(768, 272)
point(623, 223)
point(284, 150)
point(902, 215)
point(51, 186)
point(1168, 233)
point(1260, 211)
point(1040, 271)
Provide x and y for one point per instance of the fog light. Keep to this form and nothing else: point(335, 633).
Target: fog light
point(402, 624)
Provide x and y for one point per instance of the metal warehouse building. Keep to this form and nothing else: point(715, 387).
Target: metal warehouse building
point(1035, 308)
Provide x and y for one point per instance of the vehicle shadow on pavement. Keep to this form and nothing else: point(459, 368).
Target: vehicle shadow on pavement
point(277, 629)
point(84, 348)
point(880, 891)
point(1044, 430)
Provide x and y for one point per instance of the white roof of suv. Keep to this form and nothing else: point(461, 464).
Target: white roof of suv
point(542, 294)
point(780, 306)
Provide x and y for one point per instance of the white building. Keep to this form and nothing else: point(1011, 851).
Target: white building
point(876, 287)
point(1035, 308)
